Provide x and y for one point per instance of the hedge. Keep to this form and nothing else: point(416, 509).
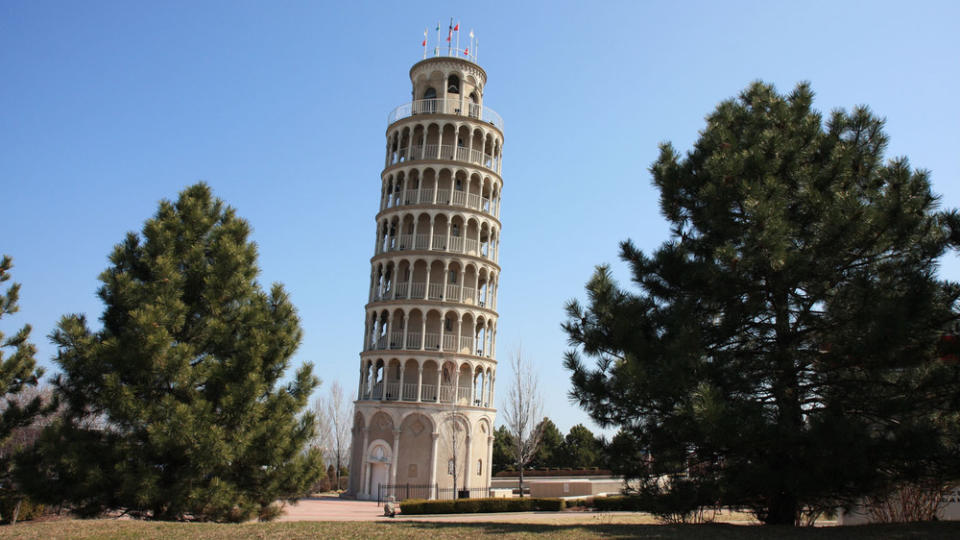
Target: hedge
point(28, 509)
point(625, 504)
point(477, 506)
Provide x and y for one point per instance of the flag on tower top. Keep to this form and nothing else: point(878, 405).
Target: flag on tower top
point(456, 28)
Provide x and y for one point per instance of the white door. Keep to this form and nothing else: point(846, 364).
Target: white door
point(378, 476)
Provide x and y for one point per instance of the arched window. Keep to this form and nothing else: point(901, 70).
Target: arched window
point(430, 93)
point(479, 467)
point(453, 85)
point(474, 105)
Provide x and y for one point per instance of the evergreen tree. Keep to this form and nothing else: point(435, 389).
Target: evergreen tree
point(782, 343)
point(176, 408)
point(581, 449)
point(550, 451)
point(502, 453)
point(18, 371)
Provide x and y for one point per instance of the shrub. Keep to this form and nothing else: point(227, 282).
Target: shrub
point(548, 505)
point(28, 509)
point(626, 504)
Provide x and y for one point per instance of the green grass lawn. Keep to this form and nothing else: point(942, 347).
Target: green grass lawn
point(436, 531)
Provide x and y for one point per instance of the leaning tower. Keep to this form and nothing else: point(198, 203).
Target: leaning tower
point(425, 402)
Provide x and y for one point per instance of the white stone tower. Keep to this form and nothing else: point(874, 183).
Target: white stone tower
point(425, 403)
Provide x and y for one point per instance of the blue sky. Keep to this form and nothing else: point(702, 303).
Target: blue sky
point(108, 107)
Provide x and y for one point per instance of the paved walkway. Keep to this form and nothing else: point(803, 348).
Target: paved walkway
point(329, 508)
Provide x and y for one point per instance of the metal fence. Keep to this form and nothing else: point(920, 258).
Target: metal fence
point(405, 491)
point(426, 491)
point(471, 493)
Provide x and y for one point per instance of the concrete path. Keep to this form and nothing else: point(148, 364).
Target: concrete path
point(328, 508)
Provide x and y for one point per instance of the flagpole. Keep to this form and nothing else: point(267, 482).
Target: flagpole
point(424, 43)
point(471, 45)
point(436, 50)
point(449, 35)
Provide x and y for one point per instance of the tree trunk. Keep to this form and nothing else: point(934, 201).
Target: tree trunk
point(783, 503)
point(16, 513)
point(521, 481)
point(782, 509)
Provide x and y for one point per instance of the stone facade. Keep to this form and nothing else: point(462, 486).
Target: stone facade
point(425, 399)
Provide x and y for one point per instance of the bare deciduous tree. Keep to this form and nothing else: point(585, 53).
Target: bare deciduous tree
point(454, 433)
point(911, 502)
point(334, 416)
point(522, 412)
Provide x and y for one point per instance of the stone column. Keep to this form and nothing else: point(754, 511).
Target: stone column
point(360, 387)
point(426, 285)
point(393, 458)
point(446, 271)
point(363, 461)
point(383, 380)
point(489, 470)
point(493, 382)
point(446, 243)
point(433, 466)
point(419, 382)
point(443, 329)
point(410, 265)
point(456, 344)
point(456, 385)
point(389, 329)
point(423, 330)
point(469, 464)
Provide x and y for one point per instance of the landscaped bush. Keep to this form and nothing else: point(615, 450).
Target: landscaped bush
point(684, 502)
point(28, 509)
point(474, 506)
point(622, 504)
point(548, 505)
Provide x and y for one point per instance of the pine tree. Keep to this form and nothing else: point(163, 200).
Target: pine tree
point(581, 449)
point(502, 444)
point(550, 451)
point(177, 407)
point(782, 343)
point(18, 371)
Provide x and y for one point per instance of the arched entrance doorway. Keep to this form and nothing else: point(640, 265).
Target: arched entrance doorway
point(378, 460)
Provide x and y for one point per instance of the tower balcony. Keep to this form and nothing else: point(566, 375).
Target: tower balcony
point(439, 242)
point(425, 393)
point(445, 197)
point(456, 107)
point(446, 152)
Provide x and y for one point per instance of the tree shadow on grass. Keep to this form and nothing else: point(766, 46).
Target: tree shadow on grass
point(945, 530)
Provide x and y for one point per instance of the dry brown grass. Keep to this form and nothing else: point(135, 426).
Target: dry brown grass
point(441, 531)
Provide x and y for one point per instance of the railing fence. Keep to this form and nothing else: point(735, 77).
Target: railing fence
point(426, 491)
